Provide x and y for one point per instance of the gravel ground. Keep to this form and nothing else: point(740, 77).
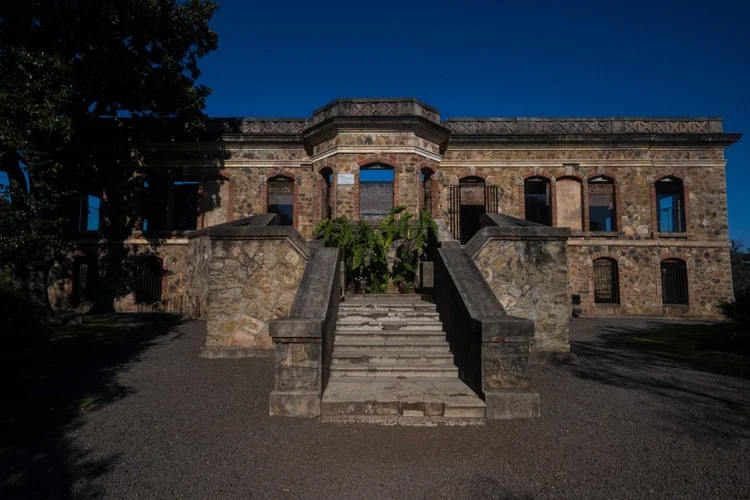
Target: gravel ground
point(619, 425)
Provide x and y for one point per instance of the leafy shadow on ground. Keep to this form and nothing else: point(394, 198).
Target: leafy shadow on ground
point(49, 382)
point(696, 368)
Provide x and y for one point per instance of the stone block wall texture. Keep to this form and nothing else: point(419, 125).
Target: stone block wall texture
point(530, 278)
point(705, 182)
point(175, 278)
point(708, 272)
point(199, 260)
point(250, 282)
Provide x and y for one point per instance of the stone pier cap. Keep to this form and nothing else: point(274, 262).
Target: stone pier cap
point(306, 320)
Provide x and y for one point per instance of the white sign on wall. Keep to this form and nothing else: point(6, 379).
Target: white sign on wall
point(346, 180)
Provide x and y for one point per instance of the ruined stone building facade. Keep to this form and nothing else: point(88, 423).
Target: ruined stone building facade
point(644, 198)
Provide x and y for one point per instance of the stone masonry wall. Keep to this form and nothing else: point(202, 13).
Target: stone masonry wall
point(529, 279)
point(250, 283)
point(174, 274)
point(708, 271)
point(633, 170)
point(199, 255)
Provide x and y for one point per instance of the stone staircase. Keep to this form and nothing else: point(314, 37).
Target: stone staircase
point(392, 364)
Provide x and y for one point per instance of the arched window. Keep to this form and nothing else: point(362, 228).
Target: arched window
point(670, 206)
point(569, 203)
point(606, 281)
point(281, 199)
point(375, 191)
point(674, 282)
point(85, 279)
point(326, 198)
point(537, 193)
point(602, 204)
point(148, 280)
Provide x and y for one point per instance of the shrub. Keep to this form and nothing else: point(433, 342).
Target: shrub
point(738, 314)
point(365, 249)
point(21, 315)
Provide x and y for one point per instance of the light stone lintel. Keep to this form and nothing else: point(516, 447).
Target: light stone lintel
point(378, 150)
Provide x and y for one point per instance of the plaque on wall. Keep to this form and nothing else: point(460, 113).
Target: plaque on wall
point(346, 179)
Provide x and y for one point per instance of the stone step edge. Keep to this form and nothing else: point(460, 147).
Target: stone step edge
point(393, 420)
point(405, 354)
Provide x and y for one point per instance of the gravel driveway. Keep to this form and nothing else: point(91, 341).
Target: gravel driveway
point(620, 425)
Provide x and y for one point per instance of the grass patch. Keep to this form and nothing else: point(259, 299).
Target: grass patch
point(709, 347)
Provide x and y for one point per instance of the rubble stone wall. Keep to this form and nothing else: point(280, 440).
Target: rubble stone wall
point(250, 282)
point(640, 288)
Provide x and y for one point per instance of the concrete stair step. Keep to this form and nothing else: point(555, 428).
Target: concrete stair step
point(400, 324)
point(394, 401)
point(422, 346)
point(389, 336)
point(390, 306)
point(403, 357)
point(397, 370)
point(365, 315)
point(396, 297)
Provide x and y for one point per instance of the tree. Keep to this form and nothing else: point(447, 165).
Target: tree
point(65, 66)
point(740, 267)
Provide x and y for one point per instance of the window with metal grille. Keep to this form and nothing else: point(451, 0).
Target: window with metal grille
point(85, 279)
point(537, 200)
point(674, 282)
point(606, 281)
point(148, 278)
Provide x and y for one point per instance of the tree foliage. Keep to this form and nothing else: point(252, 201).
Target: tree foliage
point(65, 66)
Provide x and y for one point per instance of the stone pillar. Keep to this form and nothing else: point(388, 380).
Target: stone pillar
point(505, 378)
point(297, 375)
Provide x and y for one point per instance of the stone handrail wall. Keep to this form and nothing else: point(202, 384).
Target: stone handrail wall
point(512, 126)
point(525, 265)
point(304, 340)
point(246, 273)
point(199, 258)
point(490, 348)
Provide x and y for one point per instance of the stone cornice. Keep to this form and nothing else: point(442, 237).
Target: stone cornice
point(329, 128)
point(585, 126)
point(680, 139)
point(376, 107)
point(377, 150)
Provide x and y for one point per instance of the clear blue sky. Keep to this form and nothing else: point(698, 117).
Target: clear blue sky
point(501, 58)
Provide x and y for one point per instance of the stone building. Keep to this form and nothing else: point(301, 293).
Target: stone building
point(644, 199)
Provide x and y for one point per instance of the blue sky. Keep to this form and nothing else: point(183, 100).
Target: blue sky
point(561, 58)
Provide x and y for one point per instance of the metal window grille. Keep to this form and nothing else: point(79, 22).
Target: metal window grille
point(148, 279)
point(674, 282)
point(491, 202)
point(606, 282)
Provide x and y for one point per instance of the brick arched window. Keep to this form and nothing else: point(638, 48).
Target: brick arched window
point(281, 198)
point(606, 281)
point(602, 204)
point(376, 190)
point(670, 205)
point(537, 193)
point(569, 203)
point(674, 282)
point(326, 193)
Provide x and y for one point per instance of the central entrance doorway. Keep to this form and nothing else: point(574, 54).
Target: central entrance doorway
point(468, 202)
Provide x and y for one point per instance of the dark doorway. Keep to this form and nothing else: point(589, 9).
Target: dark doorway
point(471, 207)
point(281, 199)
